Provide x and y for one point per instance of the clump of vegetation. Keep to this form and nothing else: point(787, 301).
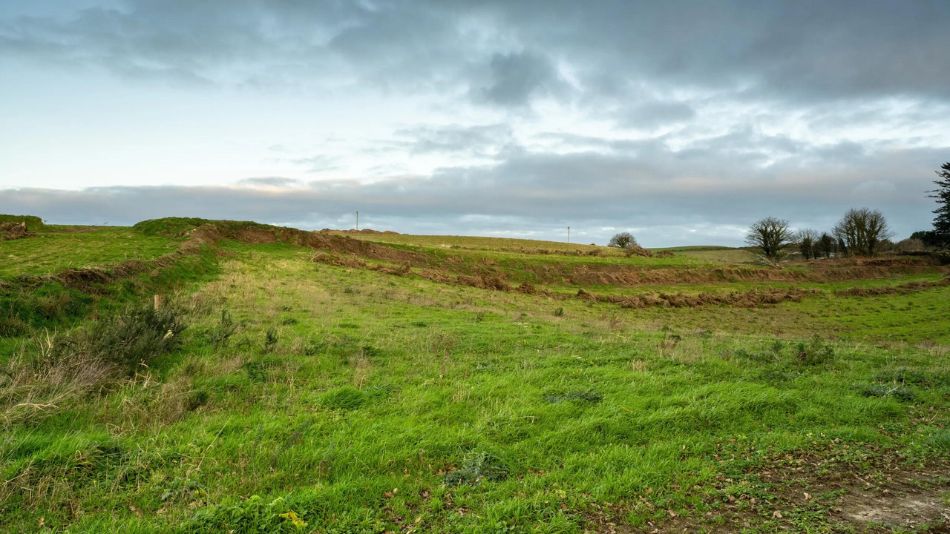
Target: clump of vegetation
point(254, 515)
point(220, 334)
point(25, 308)
point(270, 339)
point(54, 371)
point(814, 352)
point(134, 338)
point(344, 398)
point(899, 392)
point(476, 467)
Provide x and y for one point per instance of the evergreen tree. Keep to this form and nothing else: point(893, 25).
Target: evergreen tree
point(942, 194)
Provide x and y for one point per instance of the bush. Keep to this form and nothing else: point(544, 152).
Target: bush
point(136, 337)
point(815, 352)
point(220, 334)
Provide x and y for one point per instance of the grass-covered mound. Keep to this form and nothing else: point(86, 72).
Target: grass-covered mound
point(33, 223)
point(182, 226)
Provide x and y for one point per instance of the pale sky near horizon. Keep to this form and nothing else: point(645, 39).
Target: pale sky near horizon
point(680, 121)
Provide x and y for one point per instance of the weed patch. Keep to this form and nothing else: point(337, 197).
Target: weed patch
point(476, 467)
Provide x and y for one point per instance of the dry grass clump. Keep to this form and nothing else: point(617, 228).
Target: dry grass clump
point(53, 371)
point(60, 373)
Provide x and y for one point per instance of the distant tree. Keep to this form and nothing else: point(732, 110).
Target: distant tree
point(942, 194)
point(862, 231)
point(807, 243)
point(826, 246)
point(624, 240)
point(927, 237)
point(841, 247)
point(770, 235)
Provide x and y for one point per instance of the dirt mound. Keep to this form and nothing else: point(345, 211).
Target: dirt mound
point(364, 231)
point(901, 289)
point(13, 230)
point(743, 299)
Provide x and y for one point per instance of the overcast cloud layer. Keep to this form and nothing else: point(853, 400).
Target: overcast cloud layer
point(682, 121)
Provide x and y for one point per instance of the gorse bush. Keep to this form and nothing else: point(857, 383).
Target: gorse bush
point(134, 338)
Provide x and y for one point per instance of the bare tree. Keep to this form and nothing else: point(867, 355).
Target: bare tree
point(862, 231)
point(770, 235)
point(807, 243)
point(623, 240)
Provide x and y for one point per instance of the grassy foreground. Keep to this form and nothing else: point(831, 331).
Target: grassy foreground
point(322, 396)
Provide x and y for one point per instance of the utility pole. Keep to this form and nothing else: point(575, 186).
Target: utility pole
point(357, 220)
point(568, 234)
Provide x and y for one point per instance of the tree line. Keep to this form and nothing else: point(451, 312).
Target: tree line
point(861, 232)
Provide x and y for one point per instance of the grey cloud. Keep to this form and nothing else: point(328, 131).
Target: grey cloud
point(655, 114)
point(515, 78)
point(777, 50)
point(669, 195)
point(477, 140)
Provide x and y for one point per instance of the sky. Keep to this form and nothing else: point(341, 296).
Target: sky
point(680, 121)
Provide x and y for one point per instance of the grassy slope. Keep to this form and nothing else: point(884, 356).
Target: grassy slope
point(58, 248)
point(379, 386)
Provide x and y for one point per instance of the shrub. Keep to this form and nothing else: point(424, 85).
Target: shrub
point(815, 352)
point(136, 337)
point(221, 333)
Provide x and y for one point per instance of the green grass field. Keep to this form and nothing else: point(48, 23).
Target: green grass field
point(58, 249)
point(318, 397)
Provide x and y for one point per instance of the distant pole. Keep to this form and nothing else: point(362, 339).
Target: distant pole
point(568, 234)
point(357, 219)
